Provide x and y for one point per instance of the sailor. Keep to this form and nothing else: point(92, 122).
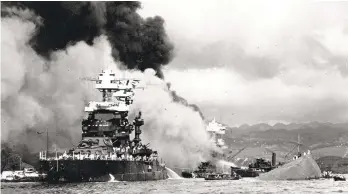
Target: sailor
point(123, 150)
point(82, 156)
point(118, 149)
point(106, 156)
point(149, 169)
point(113, 156)
point(91, 156)
point(126, 157)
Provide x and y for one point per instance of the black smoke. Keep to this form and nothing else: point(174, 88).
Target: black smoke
point(183, 101)
point(137, 42)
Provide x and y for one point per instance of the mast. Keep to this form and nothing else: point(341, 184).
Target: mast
point(57, 158)
point(298, 143)
point(46, 142)
point(20, 163)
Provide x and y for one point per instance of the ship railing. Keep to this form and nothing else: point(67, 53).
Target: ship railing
point(110, 157)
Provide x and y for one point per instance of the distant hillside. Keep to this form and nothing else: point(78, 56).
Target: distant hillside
point(334, 164)
point(313, 135)
point(323, 139)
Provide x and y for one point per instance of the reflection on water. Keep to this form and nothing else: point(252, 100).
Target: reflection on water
point(247, 185)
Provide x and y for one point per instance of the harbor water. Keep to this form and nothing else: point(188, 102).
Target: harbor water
point(246, 185)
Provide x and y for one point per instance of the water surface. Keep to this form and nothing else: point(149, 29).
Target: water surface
point(246, 185)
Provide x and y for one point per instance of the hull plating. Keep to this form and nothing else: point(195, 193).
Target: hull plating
point(102, 171)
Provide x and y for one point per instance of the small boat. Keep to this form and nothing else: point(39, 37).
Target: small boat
point(221, 177)
point(26, 175)
point(339, 178)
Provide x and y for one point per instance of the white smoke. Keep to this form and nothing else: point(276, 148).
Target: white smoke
point(225, 166)
point(38, 94)
point(175, 130)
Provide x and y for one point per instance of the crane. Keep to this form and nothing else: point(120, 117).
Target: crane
point(239, 151)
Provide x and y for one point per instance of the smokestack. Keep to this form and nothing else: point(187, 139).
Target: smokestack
point(274, 159)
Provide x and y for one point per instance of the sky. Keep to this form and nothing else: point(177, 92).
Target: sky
point(259, 61)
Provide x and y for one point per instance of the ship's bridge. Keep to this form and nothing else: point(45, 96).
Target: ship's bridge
point(215, 127)
point(112, 106)
point(123, 93)
point(107, 80)
point(216, 131)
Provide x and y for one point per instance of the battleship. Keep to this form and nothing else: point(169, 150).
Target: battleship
point(106, 151)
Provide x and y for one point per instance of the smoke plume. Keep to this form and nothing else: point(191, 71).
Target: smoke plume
point(184, 102)
point(48, 46)
point(38, 93)
point(175, 130)
point(139, 43)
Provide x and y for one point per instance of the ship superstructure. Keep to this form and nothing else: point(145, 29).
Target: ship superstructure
point(216, 131)
point(106, 149)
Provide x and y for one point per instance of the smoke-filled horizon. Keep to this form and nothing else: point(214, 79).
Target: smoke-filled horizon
point(249, 62)
point(45, 55)
point(139, 43)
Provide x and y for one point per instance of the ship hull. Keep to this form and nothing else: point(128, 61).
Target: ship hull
point(24, 179)
point(303, 168)
point(102, 170)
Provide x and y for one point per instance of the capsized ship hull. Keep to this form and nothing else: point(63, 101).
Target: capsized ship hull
point(102, 170)
point(302, 168)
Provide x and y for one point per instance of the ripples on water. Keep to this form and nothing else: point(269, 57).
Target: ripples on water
point(246, 185)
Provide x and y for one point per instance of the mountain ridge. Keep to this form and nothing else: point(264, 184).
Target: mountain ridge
point(289, 126)
point(313, 135)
